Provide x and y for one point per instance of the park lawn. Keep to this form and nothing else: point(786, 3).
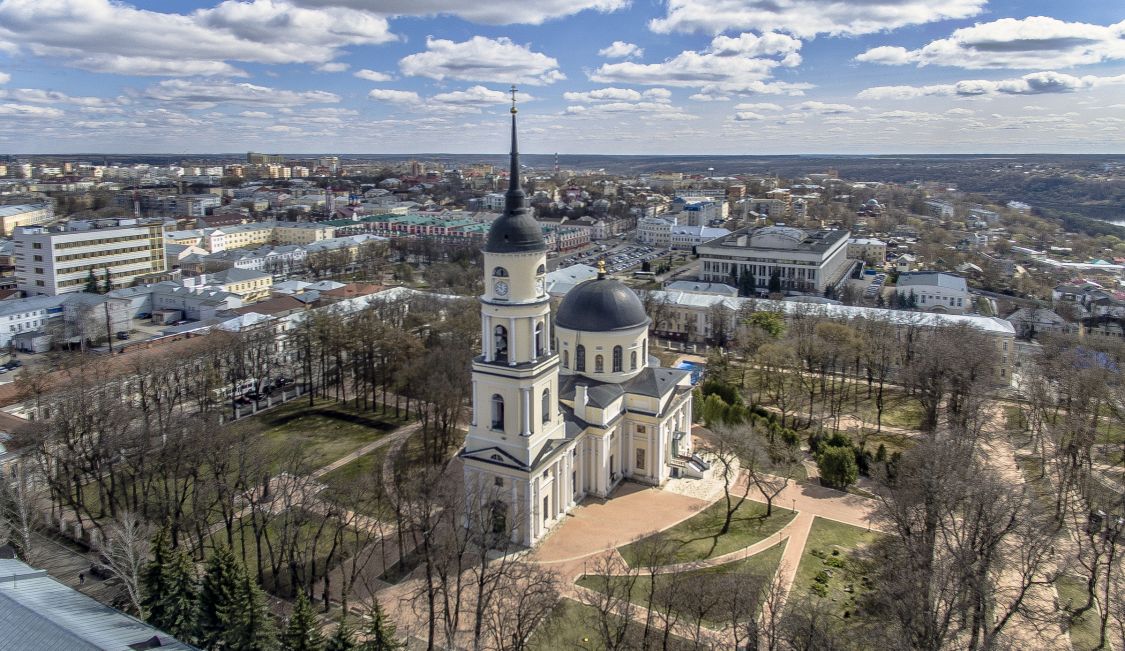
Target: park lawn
point(764, 563)
point(832, 549)
point(903, 412)
point(304, 533)
point(358, 485)
point(892, 441)
point(697, 538)
point(313, 436)
point(1084, 631)
point(574, 625)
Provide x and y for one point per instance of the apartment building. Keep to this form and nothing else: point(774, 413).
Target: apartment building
point(24, 215)
point(871, 251)
point(58, 260)
point(935, 291)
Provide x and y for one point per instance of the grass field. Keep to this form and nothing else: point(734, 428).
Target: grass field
point(298, 436)
point(697, 538)
point(1072, 595)
point(762, 564)
point(574, 625)
point(359, 485)
point(829, 566)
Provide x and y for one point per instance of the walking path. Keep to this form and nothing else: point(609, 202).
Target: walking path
point(396, 436)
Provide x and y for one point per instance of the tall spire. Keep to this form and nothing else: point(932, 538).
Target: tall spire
point(514, 198)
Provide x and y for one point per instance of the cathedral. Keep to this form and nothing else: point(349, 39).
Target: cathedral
point(567, 406)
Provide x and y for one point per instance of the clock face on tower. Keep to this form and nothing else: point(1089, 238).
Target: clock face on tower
point(501, 288)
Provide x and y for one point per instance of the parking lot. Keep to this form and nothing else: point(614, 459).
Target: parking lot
point(619, 259)
point(876, 286)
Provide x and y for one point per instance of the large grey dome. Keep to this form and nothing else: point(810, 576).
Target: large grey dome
point(601, 305)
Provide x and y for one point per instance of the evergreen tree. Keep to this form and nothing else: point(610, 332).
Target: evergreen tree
point(254, 630)
point(775, 283)
point(169, 588)
point(379, 634)
point(220, 601)
point(746, 284)
point(303, 630)
point(912, 300)
point(108, 281)
point(91, 283)
point(344, 637)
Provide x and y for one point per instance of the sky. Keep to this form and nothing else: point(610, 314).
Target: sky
point(594, 76)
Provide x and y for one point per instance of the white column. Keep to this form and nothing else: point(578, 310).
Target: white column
point(513, 348)
point(547, 333)
point(474, 417)
point(525, 408)
point(486, 337)
point(535, 505)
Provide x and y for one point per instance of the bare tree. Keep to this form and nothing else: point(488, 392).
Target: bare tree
point(124, 553)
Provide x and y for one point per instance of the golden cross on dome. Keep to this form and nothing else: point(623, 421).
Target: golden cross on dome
point(513, 92)
point(601, 267)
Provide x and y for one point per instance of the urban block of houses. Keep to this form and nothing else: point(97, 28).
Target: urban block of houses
point(249, 285)
point(168, 297)
point(24, 215)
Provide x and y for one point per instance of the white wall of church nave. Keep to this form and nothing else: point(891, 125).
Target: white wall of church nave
point(632, 343)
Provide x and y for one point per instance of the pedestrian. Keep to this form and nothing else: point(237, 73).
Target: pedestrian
point(81, 578)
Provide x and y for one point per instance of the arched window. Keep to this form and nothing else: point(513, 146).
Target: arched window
point(501, 343)
point(617, 354)
point(497, 412)
point(580, 358)
point(539, 339)
point(541, 270)
point(633, 360)
point(546, 405)
point(500, 272)
point(599, 364)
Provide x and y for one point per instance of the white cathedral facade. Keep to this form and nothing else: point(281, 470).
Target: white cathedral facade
point(569, 406)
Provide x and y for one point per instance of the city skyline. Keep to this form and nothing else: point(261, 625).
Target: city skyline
point(596, 77)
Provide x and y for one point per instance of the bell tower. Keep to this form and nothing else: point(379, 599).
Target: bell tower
point(516, 413)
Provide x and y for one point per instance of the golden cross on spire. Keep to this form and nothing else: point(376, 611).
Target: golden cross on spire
point(513, 92)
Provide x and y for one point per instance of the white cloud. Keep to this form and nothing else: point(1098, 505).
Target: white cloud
point(482, 59)
point(474, 97)
point(332, 67)
point(256, 115)
point(960, 111)
point(728, 65)
point(658, 94)
point(821, 108)
point(603, 95)
point(206, 94)
point(106, 36)
point(1035, 83)
point(372, 75)
point(643, 109)
point(492, 12)
point(395, 96)
point(757, 106)
point(807, 18)
point(39, 96)
point(29, 111)
point(704, 97)
point(5, 77)
point(621, 50)
point(1033, 42)
point(748, 116)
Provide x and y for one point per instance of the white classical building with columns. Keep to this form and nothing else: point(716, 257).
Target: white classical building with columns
point(568, 406)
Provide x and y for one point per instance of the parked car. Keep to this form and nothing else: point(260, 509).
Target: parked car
point(15, 363)
point(122, 335)
point(144, 315)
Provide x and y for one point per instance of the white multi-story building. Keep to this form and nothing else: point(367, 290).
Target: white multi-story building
point(871, 251)
point(803, 261)
point(698, 211)
point(656, 231)
point(24, 215)
point(59, 260)
point(685, 237)
point(935, 291)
